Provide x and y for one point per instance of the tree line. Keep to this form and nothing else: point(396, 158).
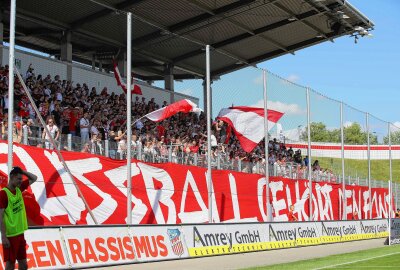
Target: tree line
point(353, 134)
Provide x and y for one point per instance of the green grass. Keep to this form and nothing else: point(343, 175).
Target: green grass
point(353, 167)
point(385, 257)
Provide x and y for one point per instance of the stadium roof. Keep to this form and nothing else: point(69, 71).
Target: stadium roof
point(241, 33)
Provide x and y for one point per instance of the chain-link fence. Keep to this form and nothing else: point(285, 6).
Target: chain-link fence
point(362, 159)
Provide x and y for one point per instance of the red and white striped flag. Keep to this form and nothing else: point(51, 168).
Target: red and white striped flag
point(135, 88)
point(247, 124)
point(183, 105)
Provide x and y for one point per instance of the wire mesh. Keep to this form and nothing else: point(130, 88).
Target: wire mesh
point(379, 152)
point(289, 98)
point(241, 88)
point(355, 149)
point(325, 138)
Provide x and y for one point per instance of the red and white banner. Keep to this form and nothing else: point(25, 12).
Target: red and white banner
point(135, 88)
point(172, 194)
point(184, 105)
point(246, 123)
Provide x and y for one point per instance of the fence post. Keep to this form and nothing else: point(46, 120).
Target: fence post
point(239, 165)
point(342, 159)
point(170, 153)
point(25, 135)
point(309, 153)
point(218, 162)
point(69, 142)
point(107, 148)
point(140, 152)
point(369, 164)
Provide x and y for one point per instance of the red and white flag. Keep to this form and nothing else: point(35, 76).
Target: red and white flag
point(183, 105)
point(247, 124)
point(135, 88)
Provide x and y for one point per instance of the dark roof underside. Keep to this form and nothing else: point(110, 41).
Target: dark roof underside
point(240, 33)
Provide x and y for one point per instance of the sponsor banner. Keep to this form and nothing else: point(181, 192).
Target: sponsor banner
point(395, 231)
point(286, 235)
point(45, 249)
point(158, 243)
point(95, 246)
point(376, 228)
point(339, 231)
point(171, 193)
point(209, 240)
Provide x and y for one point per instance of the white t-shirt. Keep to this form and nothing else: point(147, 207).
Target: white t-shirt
point(53, 130)
point(94, 130)
point(213, 140)
point(84, 122)
point(59, 96)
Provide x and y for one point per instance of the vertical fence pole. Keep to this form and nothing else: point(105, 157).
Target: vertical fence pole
point(69, 142)
point(344, 217)
point(268, 204)
point(11, 61)
point(390, 181)
point(129, 115)
point(25, 135)
point(369, 165)
point(210, 187)
point(309, 153)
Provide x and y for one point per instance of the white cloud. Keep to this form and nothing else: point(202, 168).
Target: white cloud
point(395, 126)
point(187, 91)
point(292, 109)
point(347, 124)
point(293, 78)
point(259, 80)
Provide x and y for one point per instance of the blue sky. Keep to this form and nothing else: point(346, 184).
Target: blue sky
point(364, 75)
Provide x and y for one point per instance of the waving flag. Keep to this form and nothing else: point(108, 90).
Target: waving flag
point(247, 124)
point(135, 88)
point(183, 105)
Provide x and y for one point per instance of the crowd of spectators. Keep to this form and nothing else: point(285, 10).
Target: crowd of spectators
point(91, 116)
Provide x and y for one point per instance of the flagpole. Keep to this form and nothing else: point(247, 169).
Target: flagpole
point(129, 117)
point(390, 182)
point(210, 186)
point(269, 214)
point(11, 86)
point(309, 153)
point(369, 164)
point(344, 217)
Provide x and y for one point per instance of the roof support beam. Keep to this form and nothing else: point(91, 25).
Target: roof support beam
point(104, 12)
point(257, 32)
point(241, 26)
point(193, 21)
point(273, 54)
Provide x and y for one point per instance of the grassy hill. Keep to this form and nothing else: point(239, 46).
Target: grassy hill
point(356, 167)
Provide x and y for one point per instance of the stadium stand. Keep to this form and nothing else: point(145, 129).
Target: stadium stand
point(92, 119)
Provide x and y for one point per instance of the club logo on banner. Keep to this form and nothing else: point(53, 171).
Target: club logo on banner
point(176, 241)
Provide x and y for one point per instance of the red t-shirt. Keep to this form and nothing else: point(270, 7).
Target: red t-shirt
point(72, 122)
point(194, 149)
point(3, 194)
point(23, 112)
point(292, 217)
point(161, 131)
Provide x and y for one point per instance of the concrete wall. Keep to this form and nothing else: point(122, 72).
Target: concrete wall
point(82, 74)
